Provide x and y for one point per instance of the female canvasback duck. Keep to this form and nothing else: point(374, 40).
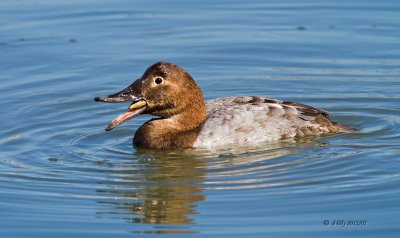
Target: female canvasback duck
point(185, 120)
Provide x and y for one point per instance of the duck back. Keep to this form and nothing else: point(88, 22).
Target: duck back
point(251, 120)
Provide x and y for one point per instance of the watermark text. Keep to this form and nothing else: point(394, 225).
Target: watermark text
point(345, 223)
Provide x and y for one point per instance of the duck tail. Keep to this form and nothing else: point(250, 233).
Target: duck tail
point(345, 129)
point(332, 126)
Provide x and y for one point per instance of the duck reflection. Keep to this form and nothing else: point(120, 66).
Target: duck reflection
point(166, 187)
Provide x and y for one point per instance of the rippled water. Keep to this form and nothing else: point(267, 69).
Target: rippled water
point(61, 174)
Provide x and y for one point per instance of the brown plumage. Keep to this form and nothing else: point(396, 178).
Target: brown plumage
point(185, 120)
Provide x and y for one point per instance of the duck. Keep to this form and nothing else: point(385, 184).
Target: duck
point(184, 120)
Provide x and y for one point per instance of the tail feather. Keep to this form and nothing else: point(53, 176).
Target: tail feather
point(333, 127)
point(346, 129)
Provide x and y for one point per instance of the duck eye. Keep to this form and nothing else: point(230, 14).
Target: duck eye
point(158, 80)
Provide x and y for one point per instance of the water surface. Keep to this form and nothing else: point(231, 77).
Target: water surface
point(62, 175)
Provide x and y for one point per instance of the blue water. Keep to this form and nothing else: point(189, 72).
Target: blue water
point(62, 175)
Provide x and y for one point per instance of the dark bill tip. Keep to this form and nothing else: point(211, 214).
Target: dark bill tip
point(109, 127)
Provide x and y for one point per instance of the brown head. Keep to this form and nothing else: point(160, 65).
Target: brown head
point(164, 90)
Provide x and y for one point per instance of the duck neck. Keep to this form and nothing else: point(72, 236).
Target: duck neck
point(178, 131)
point(188, 119)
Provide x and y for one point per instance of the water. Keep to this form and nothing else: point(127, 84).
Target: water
point(62, 175)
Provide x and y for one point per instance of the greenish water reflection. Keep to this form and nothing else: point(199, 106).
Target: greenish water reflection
point(168, 190)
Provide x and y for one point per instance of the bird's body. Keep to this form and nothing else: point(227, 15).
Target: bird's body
point(254, 120)
point(185, 120)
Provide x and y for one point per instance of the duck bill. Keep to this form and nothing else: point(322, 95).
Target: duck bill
point(125, 95)
point(129, 94)
point(131, 113)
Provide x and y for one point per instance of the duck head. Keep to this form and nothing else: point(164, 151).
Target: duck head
point(164, 90)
